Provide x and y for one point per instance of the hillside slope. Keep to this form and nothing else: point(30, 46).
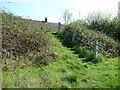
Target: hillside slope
point(111, 47)
point(67, 71)
point(34, 58)
point(22, 39)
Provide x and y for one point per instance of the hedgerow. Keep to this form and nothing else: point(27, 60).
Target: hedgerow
point(22, 39)
point(111, 47)
point(105, 23)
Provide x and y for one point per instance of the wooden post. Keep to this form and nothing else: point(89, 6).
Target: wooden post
point(59, 25)
point(96, 49)
point(119, 11)
point(74, 34)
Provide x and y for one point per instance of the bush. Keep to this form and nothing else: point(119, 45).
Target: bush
point(111, 47)
point(105, 23)
point(21, 38)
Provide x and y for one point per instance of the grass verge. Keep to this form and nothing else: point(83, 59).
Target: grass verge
point(67, 71)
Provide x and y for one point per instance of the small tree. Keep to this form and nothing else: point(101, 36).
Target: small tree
point(67, 16)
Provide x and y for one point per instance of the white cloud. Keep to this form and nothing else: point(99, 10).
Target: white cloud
point(87, 6)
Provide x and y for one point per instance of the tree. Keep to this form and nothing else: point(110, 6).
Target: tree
point(67, 16)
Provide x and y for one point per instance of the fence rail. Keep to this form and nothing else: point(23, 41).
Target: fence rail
point(96, 45)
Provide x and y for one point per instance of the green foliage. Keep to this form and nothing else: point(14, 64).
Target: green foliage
point(111, 47)
point(82, 51)
point(66, 72)
point(65, 39)
point(91, 58)
point(20, 38)
point(105, 23)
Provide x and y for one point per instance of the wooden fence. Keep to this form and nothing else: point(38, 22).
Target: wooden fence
point(96, 45)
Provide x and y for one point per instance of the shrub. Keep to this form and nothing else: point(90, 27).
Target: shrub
point(111, 47)
point(21, 38)
point(105, 23)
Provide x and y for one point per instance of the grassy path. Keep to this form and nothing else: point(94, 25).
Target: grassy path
point(67, 71)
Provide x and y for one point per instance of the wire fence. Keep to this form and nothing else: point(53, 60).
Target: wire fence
point(92, 44)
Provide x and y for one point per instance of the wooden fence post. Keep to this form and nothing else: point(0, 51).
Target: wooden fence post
point(74, 34)
point(59, 25)
point(119, 11)
point(96, 49)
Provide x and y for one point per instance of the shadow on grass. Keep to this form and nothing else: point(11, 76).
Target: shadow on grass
point(65, 39)
point(78, 48)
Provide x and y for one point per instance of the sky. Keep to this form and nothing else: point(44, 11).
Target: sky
point(54, 9)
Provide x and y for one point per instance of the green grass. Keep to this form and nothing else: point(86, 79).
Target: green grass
point(67, 71)
point(68, 65)
point(111, 47)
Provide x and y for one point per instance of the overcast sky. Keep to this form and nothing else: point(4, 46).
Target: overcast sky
point(54, 9)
